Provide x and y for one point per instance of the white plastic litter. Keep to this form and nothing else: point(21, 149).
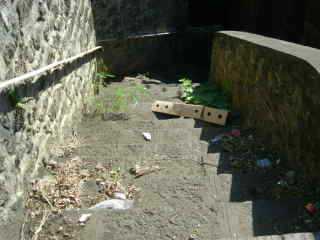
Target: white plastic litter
point(114, 204)
point(216, 139)
point(147, 136)
point(264, 163)
point(119, 195)
point(84, 218)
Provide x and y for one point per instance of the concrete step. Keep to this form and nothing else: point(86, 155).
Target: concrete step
point(261, 219)
point(147, 223)
point(135, 124)
point(188, 190)
point(292, 236)
point(142, 111)
point(97, 134)
point(152, 92)
point(185, 156)
point(182, 160)
point(143, 152)
point(239, 185)
point(135, 137)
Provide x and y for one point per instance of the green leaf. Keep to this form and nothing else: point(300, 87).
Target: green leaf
point(206, 94)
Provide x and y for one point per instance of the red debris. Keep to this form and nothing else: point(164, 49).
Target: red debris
point(235, 133)
point(311, 208)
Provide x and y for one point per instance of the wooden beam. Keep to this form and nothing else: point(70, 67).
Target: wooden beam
point(200, 112)
point(214, 115)
point(44, 70)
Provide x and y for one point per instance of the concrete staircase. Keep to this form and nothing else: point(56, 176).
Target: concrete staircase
point(185, 200)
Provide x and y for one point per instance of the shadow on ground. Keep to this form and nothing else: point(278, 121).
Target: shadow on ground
point(269, 216)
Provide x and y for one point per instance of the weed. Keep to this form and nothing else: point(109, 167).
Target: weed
point(14, 97)
point(205, 94)
point(125, 96)
point(102, 75)
point(105, 75)
point(118, 102)
point(103, 70)
point(115, 175)
point(187, 89)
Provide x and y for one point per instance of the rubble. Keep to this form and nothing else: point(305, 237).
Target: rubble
point(84, 218)
point(139, 171)
point(115, 116)
point(114, 204)
point(147, 136)
point(119, 195)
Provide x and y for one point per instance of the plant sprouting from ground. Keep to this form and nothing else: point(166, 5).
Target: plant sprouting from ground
point(187, 89)
point(102, 75)
point(118, 101)
point(99, 105)
point(206, 94)
point(115, 175)
point(123, 97)
point(103, 71)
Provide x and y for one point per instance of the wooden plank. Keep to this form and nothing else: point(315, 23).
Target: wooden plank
point(178, 109)
point(188, 110)
point(164, 107)
point(214, 115)
point(200, 112)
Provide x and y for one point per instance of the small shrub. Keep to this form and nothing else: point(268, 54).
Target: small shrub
point(205, 94)
point(102, 75)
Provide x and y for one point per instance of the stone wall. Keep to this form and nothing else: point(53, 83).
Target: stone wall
point(275, 85)
point(33, 34)
point(119, 18)
point(169, 56)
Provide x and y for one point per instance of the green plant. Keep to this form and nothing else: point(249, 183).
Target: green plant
point(206, 94)
point(115, 175)
point(14, 97)
point(103, 71)
point(99, 106)
point(17, 101)
point(135, 93)
point(105, 75)
point(102, 75)
point(125, 96)
point(119, 103)
point(187, 89)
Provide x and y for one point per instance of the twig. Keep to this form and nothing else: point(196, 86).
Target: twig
point(23, 227)
point(44, 219)
point(141, 171)
point(45, 198)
